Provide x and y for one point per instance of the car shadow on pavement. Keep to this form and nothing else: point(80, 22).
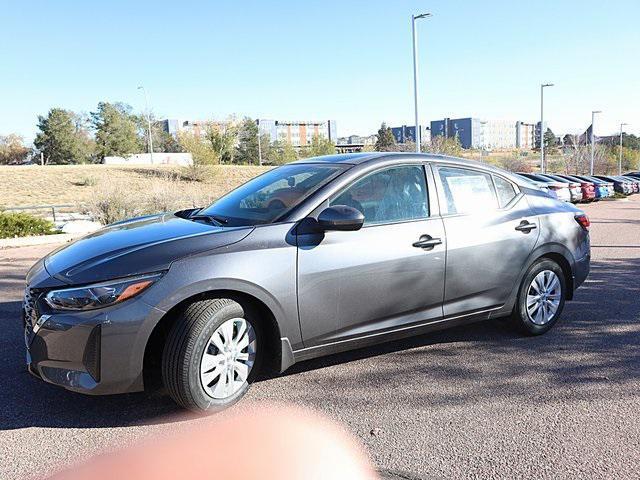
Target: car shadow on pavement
point(594, 348)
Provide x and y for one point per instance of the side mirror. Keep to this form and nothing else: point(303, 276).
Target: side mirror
point(341, 217)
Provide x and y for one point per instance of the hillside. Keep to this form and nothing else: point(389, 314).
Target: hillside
point(76, 184)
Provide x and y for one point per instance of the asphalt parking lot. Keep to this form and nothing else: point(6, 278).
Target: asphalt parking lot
point(475, 401)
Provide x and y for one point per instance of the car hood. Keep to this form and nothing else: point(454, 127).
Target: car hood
point(140, 245)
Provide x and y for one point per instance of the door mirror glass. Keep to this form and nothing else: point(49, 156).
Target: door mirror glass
point(340, 217)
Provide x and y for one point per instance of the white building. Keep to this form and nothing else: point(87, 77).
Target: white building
point(146, 159)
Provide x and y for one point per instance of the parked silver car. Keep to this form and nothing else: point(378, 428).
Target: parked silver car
point(561, 190)
point(358, 249)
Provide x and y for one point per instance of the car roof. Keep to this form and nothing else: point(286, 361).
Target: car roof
point(390, 157)
point(364, 157)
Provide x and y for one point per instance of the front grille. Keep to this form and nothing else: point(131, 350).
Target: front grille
point(29, 308)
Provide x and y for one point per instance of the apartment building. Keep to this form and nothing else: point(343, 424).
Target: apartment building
point(298, 133)
point(486, 134)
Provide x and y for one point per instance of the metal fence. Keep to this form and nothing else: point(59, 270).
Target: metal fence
point(66, 211)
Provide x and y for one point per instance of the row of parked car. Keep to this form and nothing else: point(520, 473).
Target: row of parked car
point(584, 188)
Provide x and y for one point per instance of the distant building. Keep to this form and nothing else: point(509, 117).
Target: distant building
point(355, 143)
point(484, 134)
point(525, 135)
point(407, 133)
point(194, 127)
point(357, 140)
point(170, 125)
point(298, 133)
point(146, 159)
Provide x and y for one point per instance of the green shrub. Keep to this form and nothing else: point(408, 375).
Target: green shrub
point(22, 224)
point(86, 181)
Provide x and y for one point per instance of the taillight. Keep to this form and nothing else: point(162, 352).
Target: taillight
point(583, 220)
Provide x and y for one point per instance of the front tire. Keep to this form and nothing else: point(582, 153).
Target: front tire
point(541, 298)
point(211, 354)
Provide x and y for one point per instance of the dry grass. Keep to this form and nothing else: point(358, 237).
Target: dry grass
point(80, 184)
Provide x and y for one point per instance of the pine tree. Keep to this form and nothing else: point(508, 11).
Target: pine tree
point(386, 141)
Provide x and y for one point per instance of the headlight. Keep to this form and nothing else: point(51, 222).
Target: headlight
point(100, 294)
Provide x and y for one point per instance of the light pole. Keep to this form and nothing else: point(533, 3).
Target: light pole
point(593, 137)
point(146, 102)
point(259, 144)
point(620, 160)
point(418, 136)
point(542, 162)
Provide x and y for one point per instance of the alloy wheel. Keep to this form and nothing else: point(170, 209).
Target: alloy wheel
point(228, 358)
point(543, 297)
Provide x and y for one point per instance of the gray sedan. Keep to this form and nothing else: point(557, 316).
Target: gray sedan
point(311, 258)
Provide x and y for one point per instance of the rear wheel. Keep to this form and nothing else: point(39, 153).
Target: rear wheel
point(541, 298)
point(211, 354)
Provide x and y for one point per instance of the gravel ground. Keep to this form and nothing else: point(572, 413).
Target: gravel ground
point(478, 401)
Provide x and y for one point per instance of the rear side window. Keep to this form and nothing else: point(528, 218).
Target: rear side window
point(467, 191)
point(505, 190)
point(395, 194)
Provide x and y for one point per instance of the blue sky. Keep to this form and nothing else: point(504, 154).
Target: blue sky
point(348, 61)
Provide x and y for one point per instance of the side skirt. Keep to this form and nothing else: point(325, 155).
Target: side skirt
point(380, 337)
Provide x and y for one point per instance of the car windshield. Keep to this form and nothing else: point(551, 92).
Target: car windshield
point(266, 198)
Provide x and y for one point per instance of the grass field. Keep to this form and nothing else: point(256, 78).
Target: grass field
point(76, 184)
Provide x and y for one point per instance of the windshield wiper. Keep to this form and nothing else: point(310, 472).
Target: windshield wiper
point(214, 219)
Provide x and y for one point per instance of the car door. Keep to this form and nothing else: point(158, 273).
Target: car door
point(490, 234)
point(388, 274)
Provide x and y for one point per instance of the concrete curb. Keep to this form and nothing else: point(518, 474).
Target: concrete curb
point(38, 240)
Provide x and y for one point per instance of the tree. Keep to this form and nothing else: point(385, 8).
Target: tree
point(386, 141)
point(63, 138)
point(222, 138)
point(164, 142)
point(12, 149)
point(201, 150)
point(443, 146)
point(280, 153)
point(321, 146)
point(116, 130)
point(247, 149)
point(550, 141)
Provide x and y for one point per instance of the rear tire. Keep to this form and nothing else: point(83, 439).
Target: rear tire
point(541, 298)
point(212, 354)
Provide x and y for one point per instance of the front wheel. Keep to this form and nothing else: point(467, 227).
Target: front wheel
point(540, 298)
point(211, 354)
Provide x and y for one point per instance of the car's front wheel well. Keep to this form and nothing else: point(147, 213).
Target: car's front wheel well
point(155, 345)
point(566, 270)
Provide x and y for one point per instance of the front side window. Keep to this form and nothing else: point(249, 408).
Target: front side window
point(268, 197)
point(505, 190)
point(467, 191)
point(394, 194)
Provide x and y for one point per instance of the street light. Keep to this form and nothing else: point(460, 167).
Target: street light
point(146, 102)
point(418, 136)
point(620, 160)
point(259, 144)
point(542, 162)
point(593, 137)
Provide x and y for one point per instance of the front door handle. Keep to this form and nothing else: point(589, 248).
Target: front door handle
point(427, 242)
point(526, 227)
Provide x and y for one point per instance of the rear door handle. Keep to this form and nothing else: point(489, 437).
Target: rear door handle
point(427, 242)
point(526, 227)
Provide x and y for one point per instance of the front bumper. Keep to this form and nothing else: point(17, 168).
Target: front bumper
point(95, 352)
